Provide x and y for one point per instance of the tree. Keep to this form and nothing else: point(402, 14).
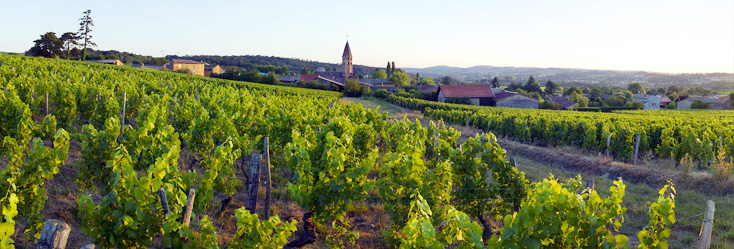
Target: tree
point(387, 69)
point(628, 94)
point(698, 104)
point(428, 81)
point(48, 46)
point(595, 93)
point(638, 105)
point(571, 90)
point(305, 70)
point(379, 74)
point(446, 80)
point(636, 88)
point(731, 96)
point(400, 77)
point(532, 85)
point(551, 87)
point(70, 41)
point(495, 82)
point(392, 71)
point(85, 28)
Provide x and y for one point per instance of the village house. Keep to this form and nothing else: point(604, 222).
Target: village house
point(196, 67)
point(649, 101)
point(209, 69)
point(115, 62)
point(721, 103)
point(563, 101)
point(480, 95)
point(515, 100)
point(664, 101)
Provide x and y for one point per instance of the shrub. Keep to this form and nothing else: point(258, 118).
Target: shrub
point(381, 93)
point(183, 71)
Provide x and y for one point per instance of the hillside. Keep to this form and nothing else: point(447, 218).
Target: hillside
point(251, 61)
point(610, 77)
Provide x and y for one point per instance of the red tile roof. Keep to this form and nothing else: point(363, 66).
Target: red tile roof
point(471, 91)
point(503, 95)
point(722, 99)
point(309, 77)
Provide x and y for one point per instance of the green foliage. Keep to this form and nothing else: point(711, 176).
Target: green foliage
point(381, 93)
point(48, 46)
point(662, 218)
point(636, 88)
point(458, 229)
point(400, 77)
point(427, 81)
point(698, 104)
point(379, 74)
point(481, 175)
point(555, 216)
point(329, 175)
point(97, 148)
point(353, 88)
point(253, 233)
point(403, 172)
point(15, 118)
point(129, 216)
point(26, 174)
point(184, 70)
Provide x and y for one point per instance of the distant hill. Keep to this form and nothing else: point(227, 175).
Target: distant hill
point(252, 61)
point(608, 77)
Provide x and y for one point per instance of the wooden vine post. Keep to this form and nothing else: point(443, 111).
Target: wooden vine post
point(266, 164)
point(54, 235)
point(164, 201)
point(45, 101)
point(708, 226)
point(609, 139)
point(124, 103)
point(637, 146)
point(189, 207)
point(254, 182)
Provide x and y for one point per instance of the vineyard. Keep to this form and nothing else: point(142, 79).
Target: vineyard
point(146, 140)
point(699, 136)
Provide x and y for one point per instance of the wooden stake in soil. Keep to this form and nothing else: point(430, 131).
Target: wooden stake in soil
point(437, 143)
point(513, 162)
point(124, 103)
point(254, 182)
point(45, 100)
point(609, 139)
point(708, 226)
point(189, 207)
point(637, 146)
point(590, 183)
point(164, 201)
point(54, 235)
point(266, 164)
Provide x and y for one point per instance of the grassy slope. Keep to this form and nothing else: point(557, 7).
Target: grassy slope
point(689, 201)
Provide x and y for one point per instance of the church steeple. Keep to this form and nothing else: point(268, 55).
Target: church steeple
point(347, 69)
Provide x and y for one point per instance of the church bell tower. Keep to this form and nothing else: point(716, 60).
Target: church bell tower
point(347, 70)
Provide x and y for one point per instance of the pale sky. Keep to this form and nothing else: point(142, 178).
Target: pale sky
point(661, 36)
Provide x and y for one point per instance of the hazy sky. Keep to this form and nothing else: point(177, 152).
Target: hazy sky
point(662, 36)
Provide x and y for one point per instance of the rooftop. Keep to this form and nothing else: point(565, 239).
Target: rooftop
point(471, 91)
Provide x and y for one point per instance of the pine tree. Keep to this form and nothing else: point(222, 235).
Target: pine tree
point(84, 30)
point(495, 82)
point(393, 68)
